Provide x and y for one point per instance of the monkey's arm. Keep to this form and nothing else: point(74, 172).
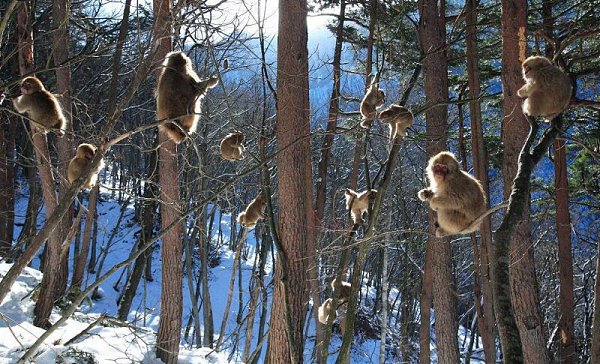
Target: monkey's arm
point(22, 103)
point(447, 201)
point(202, 86)
point(523, 91)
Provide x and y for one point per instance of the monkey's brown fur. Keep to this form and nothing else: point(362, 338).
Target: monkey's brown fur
point(399, 119)
point(232, 147)
point(374, 98)
point(178, 96)
point(547, 88)
point(345, 291)
point(358, 203)
point(83, 157)
point(253, 213)
point(41, 106)
point(457, 196)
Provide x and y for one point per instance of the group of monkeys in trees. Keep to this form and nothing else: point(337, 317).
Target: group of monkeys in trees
point(456, 196)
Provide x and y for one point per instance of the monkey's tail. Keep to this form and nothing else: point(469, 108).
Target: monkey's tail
point(475, 224)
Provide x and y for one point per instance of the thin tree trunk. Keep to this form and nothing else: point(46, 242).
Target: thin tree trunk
point(485, 308)
point(171, 301)
point(567, 347)
point(523, 283)
point(296, 225)
point(7, 181)
point(432, 39)
point(81, 258)
point(595, 350)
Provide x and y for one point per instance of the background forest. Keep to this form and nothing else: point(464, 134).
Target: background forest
point(150, 265)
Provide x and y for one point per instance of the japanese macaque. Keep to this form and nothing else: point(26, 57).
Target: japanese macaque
point(41, 106)
point(358, 203)
point(83, 157)
point(178, 96)
point(399, 119)
point(374, 98)
point(232, 147)
point(325, 309)
point(547, 88)
point(253, 212)
point(345, 291)
point(457, 196)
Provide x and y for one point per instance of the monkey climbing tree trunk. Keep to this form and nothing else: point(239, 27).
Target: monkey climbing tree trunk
point(485, 309)
point(171, 300)
point(432, 38)
point(522, 289)
point(296, 226)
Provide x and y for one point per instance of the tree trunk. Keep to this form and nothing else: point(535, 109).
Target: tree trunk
point(169, 329)
point(296, 226)
point(435, 71)
point(595, 350)
point(81, 258)
point(7, 184)
point(485, 309)
point(523, 282)
point(204, 250)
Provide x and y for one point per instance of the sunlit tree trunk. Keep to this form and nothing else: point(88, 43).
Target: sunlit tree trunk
point(523, 282)
point(171, 300)
point(296, 213)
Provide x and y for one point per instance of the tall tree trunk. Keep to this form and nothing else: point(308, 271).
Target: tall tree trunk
point(523, 282)
point(432, 37)
point(595, 350)
point(485, 309)
point(171, 300)
point(204, 250)
point(48, 291)
point(81, 258)
point(566, 302)
point(296, 226)
point(7, 184)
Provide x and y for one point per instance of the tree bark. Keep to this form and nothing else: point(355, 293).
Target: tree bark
point(432, 37)
point(7, 184)
point(595, 350)
point(485, 309)
point(81, 258)
point(171, 301)
point(296, 226)
point(523, 283)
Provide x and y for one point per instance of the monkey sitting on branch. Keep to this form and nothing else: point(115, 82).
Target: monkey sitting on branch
point(83, 158)
point(232, 146)
point(457, 197)
point(358, 203)
point(547, 88)
point(41, 106)
point(178, 96)
point(399, 118)
point(254, 212)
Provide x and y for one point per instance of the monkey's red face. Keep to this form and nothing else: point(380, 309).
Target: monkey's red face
point(440, 171)
point(89, 154)
point(26, 88)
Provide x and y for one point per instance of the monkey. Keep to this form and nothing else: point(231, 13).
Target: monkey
point(83, 157)
point(253, 212)
point(457, 196)
point(345, 292)
point(374, 98)
point(547, 88)
point(399, 119)
point(325, 310)
point(178, 96)
point(358, 203)
point(232, 147)
point(41, 106)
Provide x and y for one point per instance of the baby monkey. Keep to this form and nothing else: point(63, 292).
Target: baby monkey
point(41, 106)
point(178, 96)
point(232, 146)
point(358, 203)
point(374, 98)
point(83, 158)
point(547, 88)
point(399, 119)
point(457, 196)
point(253, 212)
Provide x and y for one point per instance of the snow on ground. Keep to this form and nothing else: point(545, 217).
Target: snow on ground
point(134, 343)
